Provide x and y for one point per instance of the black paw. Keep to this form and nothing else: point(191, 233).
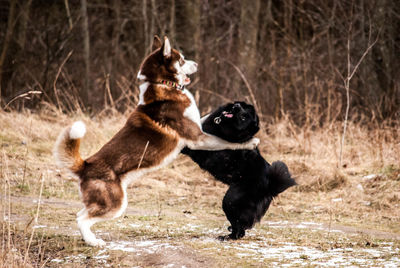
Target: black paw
point(224, 238)
point(229, 237)
point(234, 235)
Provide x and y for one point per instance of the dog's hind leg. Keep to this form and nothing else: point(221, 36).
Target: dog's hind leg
point(84, 223)
point(237, 233)
point(81, 212)
point(236, 211)
point(104, 200)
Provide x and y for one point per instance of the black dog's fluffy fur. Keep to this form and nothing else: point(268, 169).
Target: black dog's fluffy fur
point(253, 181)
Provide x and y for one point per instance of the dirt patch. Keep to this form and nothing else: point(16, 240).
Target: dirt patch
point(167, 257)
point(150, 253)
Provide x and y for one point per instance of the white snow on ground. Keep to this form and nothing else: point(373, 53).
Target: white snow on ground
point(289, 254)
point(147, 246)
point(312, 226)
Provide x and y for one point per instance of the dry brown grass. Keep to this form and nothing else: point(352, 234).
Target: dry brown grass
point(363, 194)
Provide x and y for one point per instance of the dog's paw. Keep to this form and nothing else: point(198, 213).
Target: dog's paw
point(253, 143)
point(223, 238)
point(96, 243)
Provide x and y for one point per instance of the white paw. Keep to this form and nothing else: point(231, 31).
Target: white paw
point(96, 243)
point(254, 142)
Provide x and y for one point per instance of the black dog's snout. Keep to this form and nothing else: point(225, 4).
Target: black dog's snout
point(236, 107)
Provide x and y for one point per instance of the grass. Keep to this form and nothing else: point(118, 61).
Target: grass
point(337, 216)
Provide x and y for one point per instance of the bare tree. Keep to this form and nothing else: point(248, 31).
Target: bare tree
point(6, 44)
point(86, 49)
point(350, 73)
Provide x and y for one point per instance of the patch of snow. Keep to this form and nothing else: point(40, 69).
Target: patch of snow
point(290, 254)
point(369, 177)
point(309, 225)
point(39, 226)
point(148, 246)
point(101, 256)
point(135, 225)
point(122, 246)
point(145, 243)
point(215, 231)
point(366, 203)
point(360, 187)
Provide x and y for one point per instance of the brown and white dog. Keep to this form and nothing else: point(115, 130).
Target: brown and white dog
point(165, 121)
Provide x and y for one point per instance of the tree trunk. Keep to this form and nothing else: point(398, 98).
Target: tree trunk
point(188, 14)
point(248, 31)
point(6, 44)
point(172, 22)
point(115, 60)
point(247, 48)
point(86, 52)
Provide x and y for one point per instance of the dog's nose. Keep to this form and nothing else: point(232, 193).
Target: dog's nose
point(236, 106)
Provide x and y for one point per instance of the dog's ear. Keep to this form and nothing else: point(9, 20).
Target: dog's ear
point(156, 43)
point(255, 126)
point(166, 48)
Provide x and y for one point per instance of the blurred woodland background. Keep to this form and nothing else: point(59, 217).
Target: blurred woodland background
point(293, 56)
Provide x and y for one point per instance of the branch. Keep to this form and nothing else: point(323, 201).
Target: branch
point(346, 81)
point(246, 82)
point(362, 57)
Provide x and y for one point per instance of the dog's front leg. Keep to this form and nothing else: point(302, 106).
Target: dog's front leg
point(213, 143)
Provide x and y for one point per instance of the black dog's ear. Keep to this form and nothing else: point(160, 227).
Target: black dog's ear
point(257, 120)
point(156, 43)
point(254, 129)
point(256, 125)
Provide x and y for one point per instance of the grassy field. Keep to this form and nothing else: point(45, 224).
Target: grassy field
point(336, 217)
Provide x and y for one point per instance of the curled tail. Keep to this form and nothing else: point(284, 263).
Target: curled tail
point(280, 178)
point(66, 149)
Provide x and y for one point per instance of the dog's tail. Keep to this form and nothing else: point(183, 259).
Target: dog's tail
point(279, 178)
point(66, 149)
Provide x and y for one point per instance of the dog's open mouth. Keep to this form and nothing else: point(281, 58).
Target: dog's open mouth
point(186, 81)
point(227, 114)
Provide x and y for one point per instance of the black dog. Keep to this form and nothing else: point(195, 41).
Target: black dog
point(253, 181)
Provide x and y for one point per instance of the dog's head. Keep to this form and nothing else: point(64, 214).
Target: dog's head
point(234, 122)
point(166, 63)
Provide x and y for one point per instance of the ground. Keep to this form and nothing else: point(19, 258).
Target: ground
point(337, 217)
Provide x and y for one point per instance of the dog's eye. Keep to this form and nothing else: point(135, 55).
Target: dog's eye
point(181, 62)
point(243, 118)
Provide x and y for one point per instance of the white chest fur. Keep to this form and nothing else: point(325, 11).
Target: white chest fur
point(143, 87)
point(192, 112)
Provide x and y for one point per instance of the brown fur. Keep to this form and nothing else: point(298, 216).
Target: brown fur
point(101, 174)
